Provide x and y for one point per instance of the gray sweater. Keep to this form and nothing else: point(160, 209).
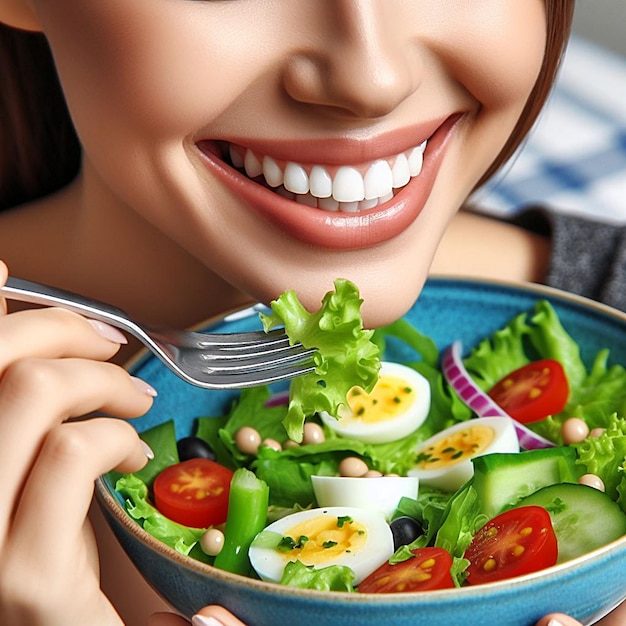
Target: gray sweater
point(588, 257)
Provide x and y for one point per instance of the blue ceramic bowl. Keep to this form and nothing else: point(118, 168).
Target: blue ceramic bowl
point(446, 310)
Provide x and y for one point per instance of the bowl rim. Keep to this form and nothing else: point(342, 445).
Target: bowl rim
point(615, 548)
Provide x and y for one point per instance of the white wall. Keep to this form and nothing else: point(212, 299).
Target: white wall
point(602, 21)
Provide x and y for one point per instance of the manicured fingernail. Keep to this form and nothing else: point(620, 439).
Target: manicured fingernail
point(108, 332)
point(144, 387)
point(147, 450)
point(555, 622)
point(201, 620)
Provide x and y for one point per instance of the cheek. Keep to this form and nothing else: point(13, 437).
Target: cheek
point(141, 69)
point(500, 49)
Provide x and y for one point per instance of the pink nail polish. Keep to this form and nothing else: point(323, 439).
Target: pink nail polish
point(108, 332)
point(201, 620)
point(147, 450)
point(144, 387)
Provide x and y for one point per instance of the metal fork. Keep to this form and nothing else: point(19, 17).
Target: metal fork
point(211, 361)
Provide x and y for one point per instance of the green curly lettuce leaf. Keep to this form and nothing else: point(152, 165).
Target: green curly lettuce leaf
point(331, 578)
point(182, 538)
point(346, 355)
point(605, 456)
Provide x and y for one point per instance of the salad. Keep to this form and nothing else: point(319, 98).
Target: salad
point(446, 471)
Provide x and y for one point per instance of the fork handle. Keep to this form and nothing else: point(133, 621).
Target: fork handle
point(37, 293)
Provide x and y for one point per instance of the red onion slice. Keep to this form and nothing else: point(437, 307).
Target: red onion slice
point(477, 400)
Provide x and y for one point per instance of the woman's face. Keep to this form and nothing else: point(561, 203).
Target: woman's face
point(286, 144)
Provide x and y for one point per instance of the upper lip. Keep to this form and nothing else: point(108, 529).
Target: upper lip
point(339, 150)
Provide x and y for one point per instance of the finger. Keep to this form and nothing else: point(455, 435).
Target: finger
point(49, 521)
point(558, 619)
point(39, 394)
point(215, 616)
point(54, 333)
point(4, 272)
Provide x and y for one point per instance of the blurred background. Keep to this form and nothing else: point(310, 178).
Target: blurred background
point(602, 21)
point(575, 159)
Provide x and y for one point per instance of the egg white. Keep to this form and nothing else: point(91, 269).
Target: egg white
point(450, 478)
point(377, 548)
point(393, 428)
point(380, 494)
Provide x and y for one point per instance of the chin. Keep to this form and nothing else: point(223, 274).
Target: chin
point(384, 300)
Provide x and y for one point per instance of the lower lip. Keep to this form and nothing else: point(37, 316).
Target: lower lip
point(337, 230)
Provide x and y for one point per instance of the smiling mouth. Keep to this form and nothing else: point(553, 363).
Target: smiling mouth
point(347, 203)
point(345, 188)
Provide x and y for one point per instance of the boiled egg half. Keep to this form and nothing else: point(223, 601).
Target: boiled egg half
point(356, 538)
point(397, 405)
point(445, 460)
point(382, 493)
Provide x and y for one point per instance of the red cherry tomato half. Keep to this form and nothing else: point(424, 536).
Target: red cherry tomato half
point(428, 569)
point(516, 542)
point(194, 492)
point(532, 392)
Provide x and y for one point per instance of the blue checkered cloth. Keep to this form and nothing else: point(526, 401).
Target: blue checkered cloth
point(574, 161)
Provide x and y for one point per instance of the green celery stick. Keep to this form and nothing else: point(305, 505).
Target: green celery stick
point(247, 515)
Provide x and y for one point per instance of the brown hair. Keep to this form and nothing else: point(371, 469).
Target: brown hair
point(39, 150)
point(559, 15)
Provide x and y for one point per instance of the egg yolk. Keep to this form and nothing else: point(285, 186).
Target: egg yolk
point(456, 447)
point(324, 538)
point(390, 397)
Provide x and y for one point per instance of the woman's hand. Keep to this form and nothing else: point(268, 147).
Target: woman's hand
point(52, 368)
point(218, 616)
point(615, 618)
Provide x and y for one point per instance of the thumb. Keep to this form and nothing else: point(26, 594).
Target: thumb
point(215, 616)
point(557, 619)
point(4, 272)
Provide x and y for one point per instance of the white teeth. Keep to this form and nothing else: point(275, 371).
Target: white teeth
point(400, 172)
point(252, 165)
point(347, 191)
point(281, 191)
point(348, 185)
point(416, 159)
point(378, 180)
point(368, 204)
point(349, 207)
point(320, 182)
point(296, 178)
point(328, 204)
point(272, 173)
point(306, 198)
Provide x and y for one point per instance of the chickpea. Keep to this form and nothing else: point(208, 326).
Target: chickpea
point(313, 433)
point(212, 541)
point(352, 467)
point(372, 474)
point(574, 430)
point(248, 440)
point(591, 480)
point(272, 443)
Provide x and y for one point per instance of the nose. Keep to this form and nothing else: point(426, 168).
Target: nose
point(363, 65)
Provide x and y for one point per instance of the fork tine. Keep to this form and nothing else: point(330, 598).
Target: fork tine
point(258, 338)
point(240, 378)
point(261, 361)
point(252, 351)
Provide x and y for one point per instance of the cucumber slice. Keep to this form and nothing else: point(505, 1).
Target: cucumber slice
point(583, 517)
point(503, 479)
